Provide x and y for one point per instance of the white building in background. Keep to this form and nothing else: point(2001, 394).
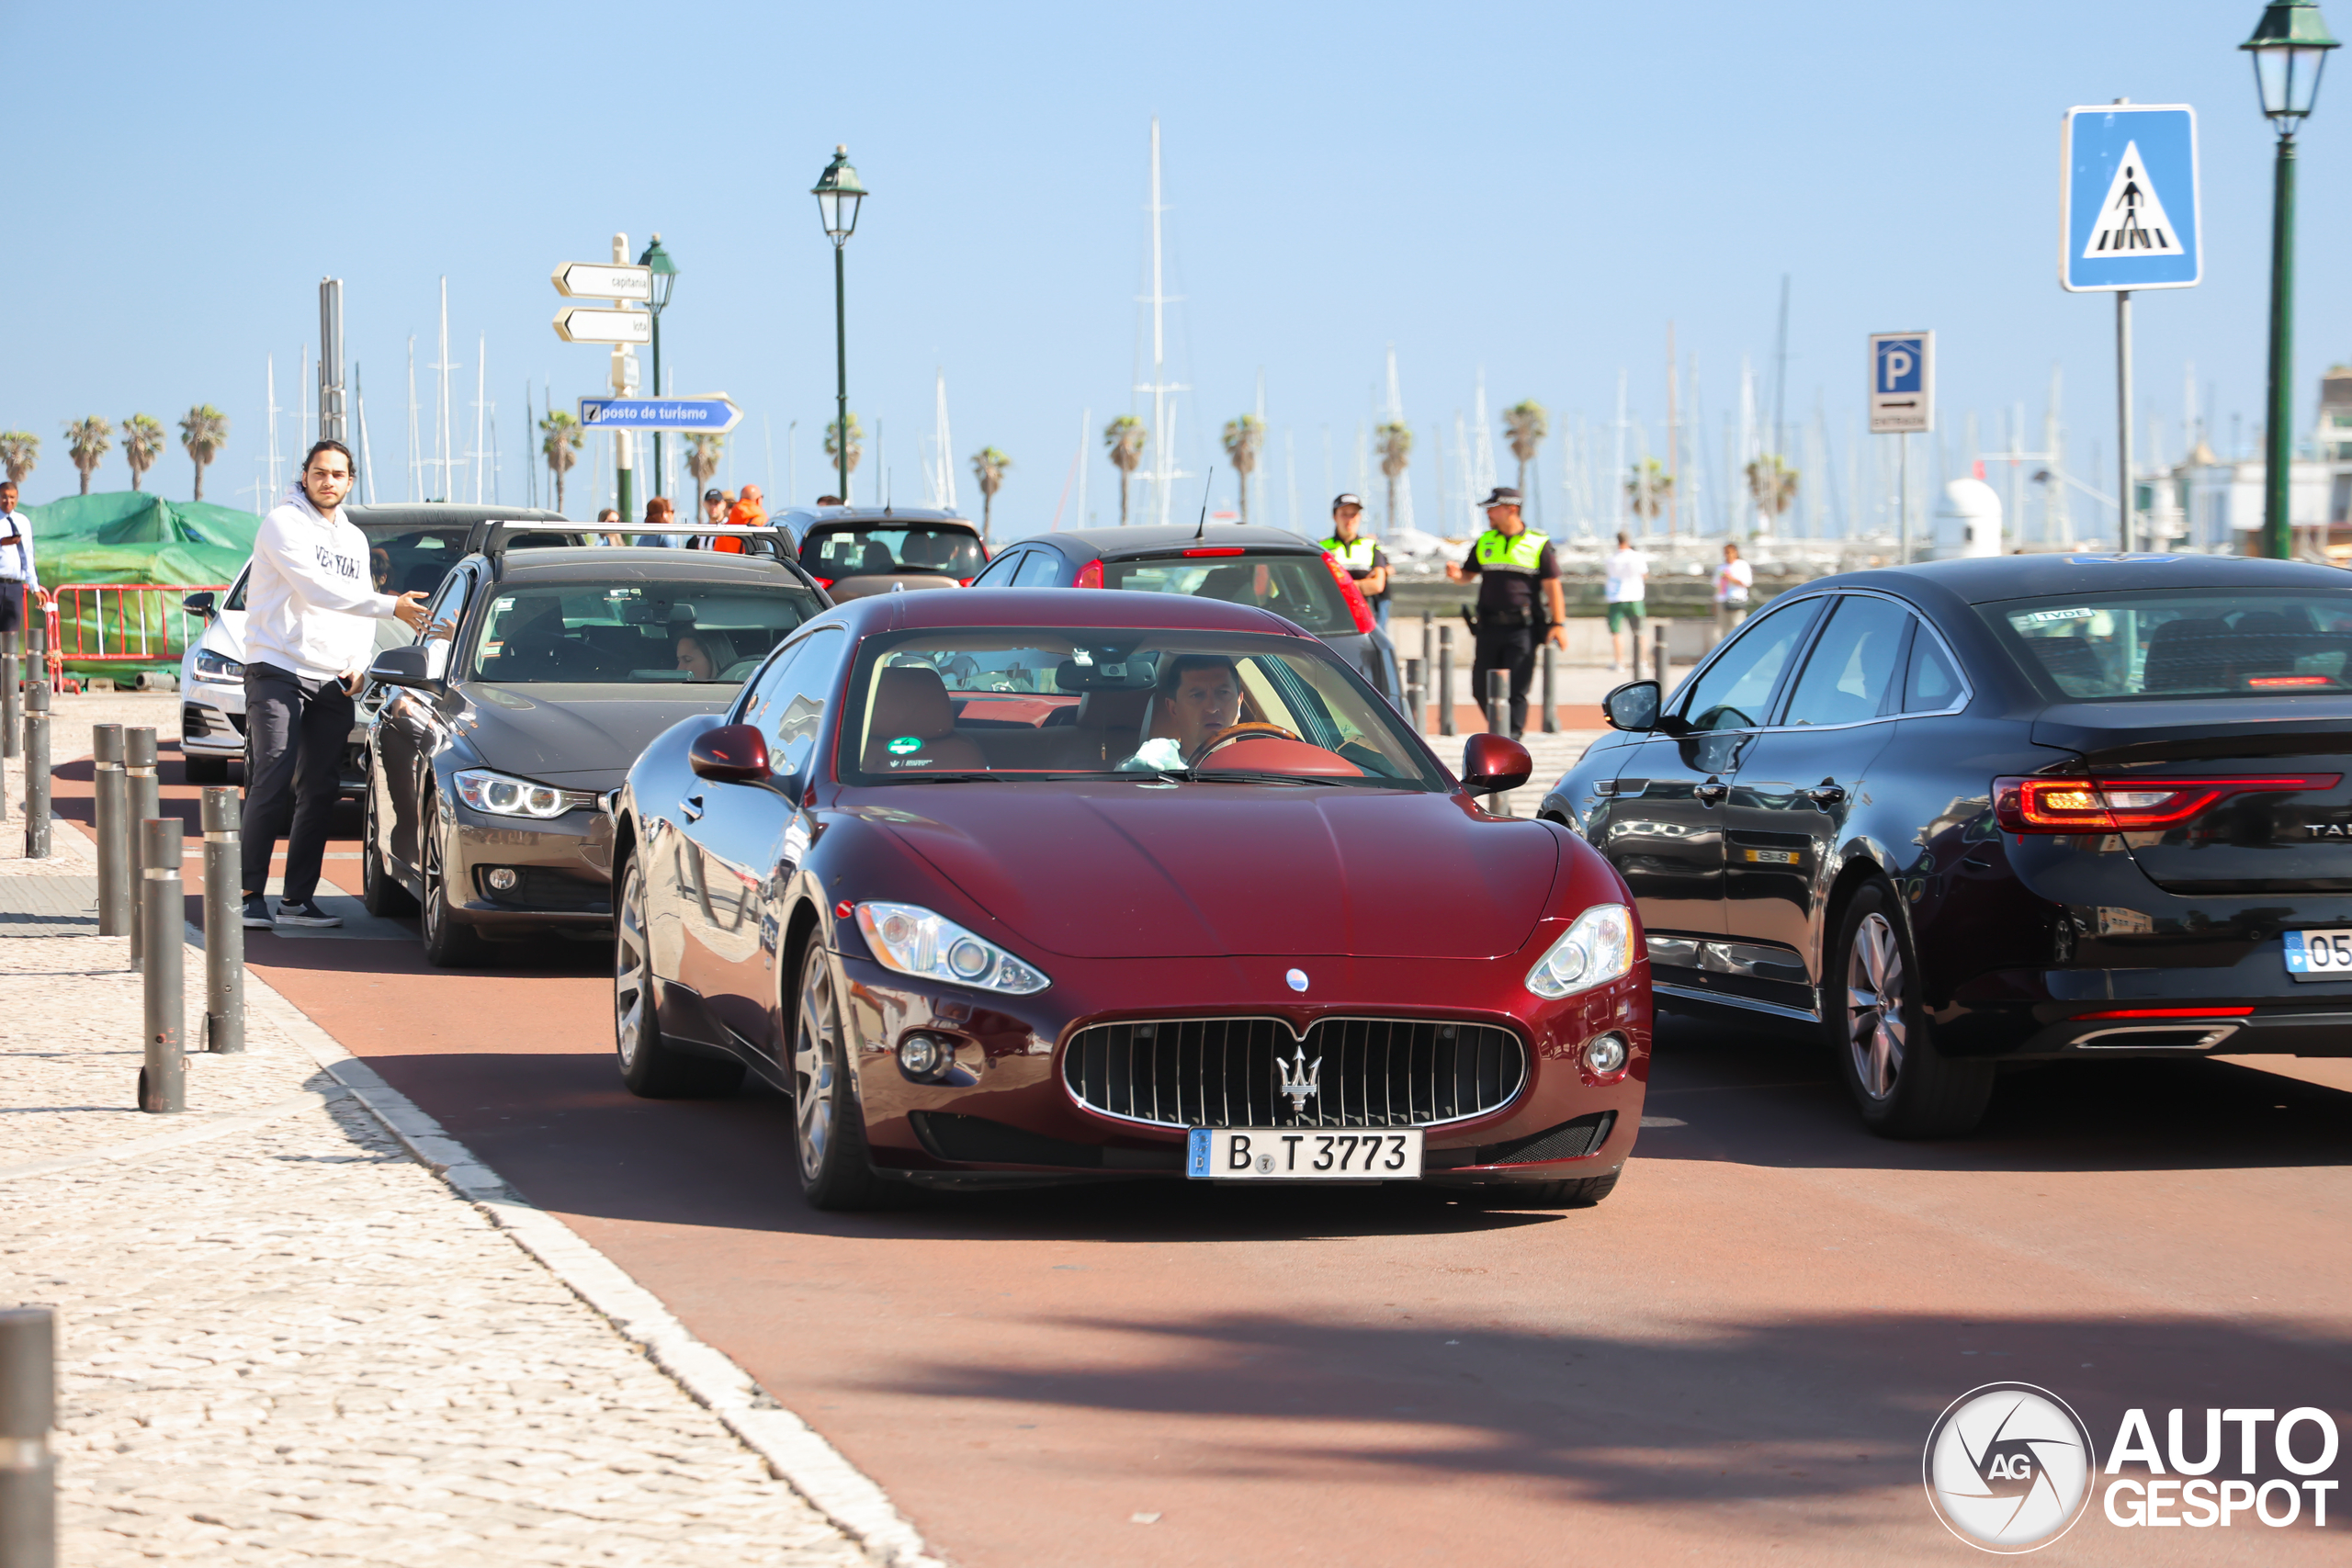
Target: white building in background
point(2216, 506)
point(1967, 521)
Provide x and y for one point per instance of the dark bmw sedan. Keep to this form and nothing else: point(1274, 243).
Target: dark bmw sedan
point(1263, 567)
point(542, 676)
point(2005, 809)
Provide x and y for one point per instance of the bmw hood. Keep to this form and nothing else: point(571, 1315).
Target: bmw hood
point(584, 739)
point(1119, 871)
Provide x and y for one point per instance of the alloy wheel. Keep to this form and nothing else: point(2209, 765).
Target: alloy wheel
point(435, 910)
point(816, 1065)
point(632, 969)
point(1875, 1027)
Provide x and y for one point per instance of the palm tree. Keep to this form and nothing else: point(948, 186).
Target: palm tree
point(702, 450)
point(987, 467)
point(143, 439)
point(563, 435)
point(1648, 486)
point(1394, 442)
point(20, 450)
point(203, 432)
point(86, 442)
point(1774, 485)
point(1125, 436)
point(833, 446)
point(1244, 438)
point(1524, 426)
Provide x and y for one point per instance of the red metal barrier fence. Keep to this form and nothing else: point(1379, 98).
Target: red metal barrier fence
point(116, 623)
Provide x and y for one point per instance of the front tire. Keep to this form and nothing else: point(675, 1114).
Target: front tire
point(379, 891)
point(448, 944)
point(836, 1173)
point(650, 1067)
point(1877, 1024)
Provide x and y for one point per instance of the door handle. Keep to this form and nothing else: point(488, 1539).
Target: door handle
point(1826, 794)
point(1711, 793)
point(690, 809)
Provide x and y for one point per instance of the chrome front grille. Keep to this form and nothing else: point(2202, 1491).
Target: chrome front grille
point(1228, 1072)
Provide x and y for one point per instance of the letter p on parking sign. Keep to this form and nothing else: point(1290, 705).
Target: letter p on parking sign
point(1902, 382)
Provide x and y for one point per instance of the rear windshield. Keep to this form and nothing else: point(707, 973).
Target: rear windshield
point(591, 633)
point(1298, 587)
point(2104, 647)
point(857, 551)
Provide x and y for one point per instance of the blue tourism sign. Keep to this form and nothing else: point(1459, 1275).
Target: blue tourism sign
point(2127, 201)
point(715, 414)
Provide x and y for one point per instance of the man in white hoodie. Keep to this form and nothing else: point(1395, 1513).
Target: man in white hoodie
point(307, 638)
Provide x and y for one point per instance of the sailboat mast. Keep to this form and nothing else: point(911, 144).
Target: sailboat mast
point(1161, 461)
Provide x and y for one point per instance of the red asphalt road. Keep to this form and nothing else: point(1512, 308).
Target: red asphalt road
point(1734, 1359)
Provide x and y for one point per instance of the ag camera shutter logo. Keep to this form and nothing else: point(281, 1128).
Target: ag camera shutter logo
point(2009, 1467)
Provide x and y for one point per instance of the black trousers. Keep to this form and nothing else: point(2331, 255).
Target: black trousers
point(296, 728)
point(1512, 649)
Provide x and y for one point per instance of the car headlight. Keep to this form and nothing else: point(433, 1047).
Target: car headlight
point(1597, 949)
point(504, 797)
point(913, 941)
point(211, 666)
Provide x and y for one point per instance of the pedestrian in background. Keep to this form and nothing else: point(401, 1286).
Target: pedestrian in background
point(1732, 579)
point(1509, 562)
point(661, 513)
point(1623, 586)
point(611, 515)
point(714, 512)
point(309, 635)
point(1366, 562)
point(17, 573)
point(749, 511)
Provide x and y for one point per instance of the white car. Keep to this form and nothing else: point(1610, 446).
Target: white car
point(412, 548)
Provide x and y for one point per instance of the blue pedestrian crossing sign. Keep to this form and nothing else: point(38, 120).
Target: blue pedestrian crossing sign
point(2127, 201)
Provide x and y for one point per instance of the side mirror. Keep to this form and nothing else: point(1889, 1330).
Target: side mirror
point(401, 667)
point(200, 604)
point(733, 753)
point(1492, 763)
point(1633, 705)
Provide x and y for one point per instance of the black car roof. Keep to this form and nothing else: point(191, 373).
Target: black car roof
point(1112, 543)
point(1985, 580)
point(601, 563)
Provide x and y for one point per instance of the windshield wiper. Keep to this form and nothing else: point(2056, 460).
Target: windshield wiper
point(1236, 775)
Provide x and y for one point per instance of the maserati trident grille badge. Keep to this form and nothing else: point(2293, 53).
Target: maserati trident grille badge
point(1303, 1083)
point(1295, 980)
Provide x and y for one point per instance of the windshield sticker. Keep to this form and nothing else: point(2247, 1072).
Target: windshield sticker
point(2041, 618)
point(904, 744)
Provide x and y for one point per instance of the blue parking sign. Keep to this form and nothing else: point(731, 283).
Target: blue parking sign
point(1903, 383)
point(2129, 215)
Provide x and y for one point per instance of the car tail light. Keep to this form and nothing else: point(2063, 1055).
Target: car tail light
point(1356, 605)
point(1217, 550)
point(1090, 575)
point(2044, 804)
point(2167, 1012)
point(962, 582)
point(824, 582)
point(2266, 680)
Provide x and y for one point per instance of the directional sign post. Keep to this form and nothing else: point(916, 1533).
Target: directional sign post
point(2128, 217)
point(714, 414)
point(579, 324)
point(1903, 398)
point(602, 280)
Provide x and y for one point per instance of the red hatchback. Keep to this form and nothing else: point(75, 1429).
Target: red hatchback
point(1008, 888)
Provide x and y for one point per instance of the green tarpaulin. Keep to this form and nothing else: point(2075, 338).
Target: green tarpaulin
point(129, 537)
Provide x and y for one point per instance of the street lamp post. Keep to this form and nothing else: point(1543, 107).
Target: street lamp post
point(2289, 48)
point(838, 195)
point(665, 277)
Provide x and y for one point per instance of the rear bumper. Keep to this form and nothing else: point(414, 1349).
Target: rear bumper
point(2250, 1007)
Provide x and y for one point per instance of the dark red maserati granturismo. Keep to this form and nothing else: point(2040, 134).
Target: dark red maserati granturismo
point(1034, 885)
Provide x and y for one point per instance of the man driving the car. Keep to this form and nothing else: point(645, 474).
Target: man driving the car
point(1196, 697)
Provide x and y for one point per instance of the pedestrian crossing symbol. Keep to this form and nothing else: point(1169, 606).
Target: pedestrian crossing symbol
point(2127, 205)
point(2131, 220)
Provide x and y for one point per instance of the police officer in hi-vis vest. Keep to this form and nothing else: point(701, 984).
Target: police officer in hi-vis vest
point(1508, 562)
point(1365, 561)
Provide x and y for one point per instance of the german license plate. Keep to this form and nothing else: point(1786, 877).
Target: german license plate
point(2319, 956)
point(1299, 1154)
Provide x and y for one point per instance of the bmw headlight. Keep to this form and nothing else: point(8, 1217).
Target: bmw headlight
point(913, 941)
point(210, 666)
point(504, 797)
point(1597, 949)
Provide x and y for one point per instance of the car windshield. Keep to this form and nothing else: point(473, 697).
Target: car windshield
point(858, 551)
point(1299, 588)
point(1010, 702)
point(649, 633)
point(2180, 643)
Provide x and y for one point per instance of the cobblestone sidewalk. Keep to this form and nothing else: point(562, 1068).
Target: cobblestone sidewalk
point(285, 1340)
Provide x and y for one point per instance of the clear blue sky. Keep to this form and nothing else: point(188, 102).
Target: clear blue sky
point(1535, 190)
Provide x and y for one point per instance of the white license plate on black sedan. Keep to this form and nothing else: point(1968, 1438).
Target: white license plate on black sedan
point(1301, 1154)
point(2319, 956)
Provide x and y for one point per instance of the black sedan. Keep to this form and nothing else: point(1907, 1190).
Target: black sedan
point(1263, 567)
point(543, 676)
point(2003, 809)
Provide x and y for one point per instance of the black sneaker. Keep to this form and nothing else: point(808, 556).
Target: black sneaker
point(257, 917)
point(306, 913)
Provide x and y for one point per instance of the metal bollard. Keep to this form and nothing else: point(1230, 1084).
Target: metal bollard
point(1416, 694)
point(1498, 702)
point(139, 773)
point(1551, 689)
point(27, 1412)
point(36, 844)
point(163, 1082)
point(113, 792)
point(1429, 641)
point(224, 925)
point(1446, 680)
point(12, 677)
point(1658, 666)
